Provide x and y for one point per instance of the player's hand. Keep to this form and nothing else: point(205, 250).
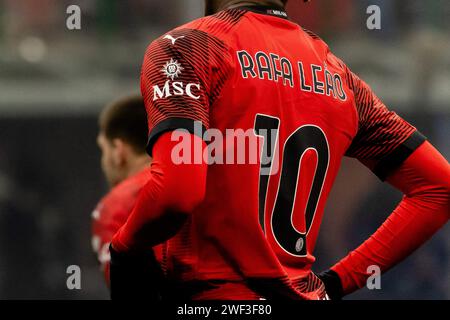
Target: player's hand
point(135, 276)
point(332, 284)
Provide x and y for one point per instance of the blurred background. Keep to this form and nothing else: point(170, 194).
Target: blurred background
point(54, 82)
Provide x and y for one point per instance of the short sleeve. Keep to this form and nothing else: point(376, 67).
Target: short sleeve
point(384, 140)
point(181, 76)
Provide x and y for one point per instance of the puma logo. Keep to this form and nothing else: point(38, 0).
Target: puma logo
point(172, 39)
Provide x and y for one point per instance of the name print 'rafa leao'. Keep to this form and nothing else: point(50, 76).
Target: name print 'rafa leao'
point(270, 66)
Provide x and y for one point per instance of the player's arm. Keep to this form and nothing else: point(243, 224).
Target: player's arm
point(170, 195)
point(164, 203)
point(424, 179)
point(178, 83)
point(397, 153)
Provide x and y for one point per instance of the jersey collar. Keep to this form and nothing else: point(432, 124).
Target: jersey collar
point(275, 11)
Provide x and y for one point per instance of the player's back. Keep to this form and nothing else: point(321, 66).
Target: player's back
point(275, 86)
point(278, 99)
point(288, 90)
point(280, 114)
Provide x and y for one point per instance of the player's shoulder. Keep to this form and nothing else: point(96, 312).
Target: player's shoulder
point(218, 24)
point(313, 37)
point(315, 41)
point(124, 194)
point(129, 187)
point(210, 31)
point(323, 50)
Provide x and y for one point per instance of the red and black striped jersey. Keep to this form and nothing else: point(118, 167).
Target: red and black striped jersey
point(253, 71)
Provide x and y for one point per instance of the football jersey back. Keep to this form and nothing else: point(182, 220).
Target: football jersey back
point(278, 111)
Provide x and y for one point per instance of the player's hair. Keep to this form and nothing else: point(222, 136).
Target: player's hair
point(126, 119)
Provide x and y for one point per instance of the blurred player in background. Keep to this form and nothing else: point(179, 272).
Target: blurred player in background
point(122, 140)
point(246, 231)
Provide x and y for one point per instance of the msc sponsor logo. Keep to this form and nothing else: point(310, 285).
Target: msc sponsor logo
point(173, 69)
point(176, 88)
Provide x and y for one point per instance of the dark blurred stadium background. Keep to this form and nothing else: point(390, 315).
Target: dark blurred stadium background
point(53, 83)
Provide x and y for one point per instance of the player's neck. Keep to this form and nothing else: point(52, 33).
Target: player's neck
point(137, 164)
point(229, 4)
